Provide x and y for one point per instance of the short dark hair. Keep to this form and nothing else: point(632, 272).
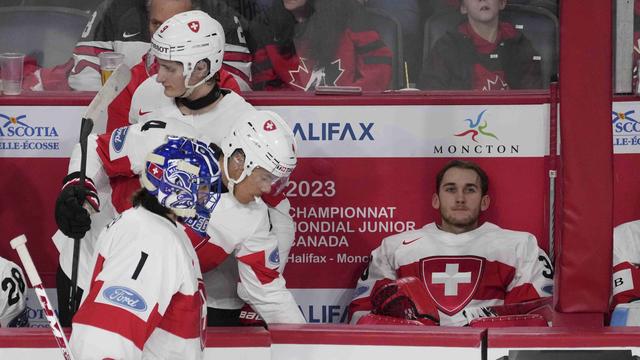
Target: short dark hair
point(464, 164)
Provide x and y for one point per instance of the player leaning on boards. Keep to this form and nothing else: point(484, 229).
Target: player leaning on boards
point(448, 273)
point(189, 101)
point(146, 298)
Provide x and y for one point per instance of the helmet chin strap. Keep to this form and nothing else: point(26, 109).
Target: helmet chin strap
point(231, 183)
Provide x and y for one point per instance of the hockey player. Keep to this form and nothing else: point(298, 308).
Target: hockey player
point(121, 26)
point(626, 275)
point(463, 265)
point(146, 298)
point(13, 287)
point(215, 110)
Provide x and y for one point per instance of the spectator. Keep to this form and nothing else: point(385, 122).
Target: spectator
point(482, 53)
point(308, 43)
point(464, 266)
point(121, 26)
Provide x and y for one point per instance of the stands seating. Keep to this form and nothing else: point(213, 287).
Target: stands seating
point(47, 33)
point(539, 25)
point(390, 32)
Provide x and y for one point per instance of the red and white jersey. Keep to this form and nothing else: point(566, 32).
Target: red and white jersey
point(115, 160)
point(12, 294)
point(146, 298)
point(122, 26)
point(484, 267)
point(626, 259)
point(243, 230)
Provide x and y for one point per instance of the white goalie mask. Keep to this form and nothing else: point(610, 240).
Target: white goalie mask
point(267, 142)
point(188, 38)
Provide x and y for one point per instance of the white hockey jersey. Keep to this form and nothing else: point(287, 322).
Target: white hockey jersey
point(146, 298)
point(484, 267)
point(13, 286)
point(626, 259)
point(118, 158)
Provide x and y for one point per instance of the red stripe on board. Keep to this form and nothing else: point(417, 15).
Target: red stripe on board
point(554, 337)
point(397, 335)
point(247, 336)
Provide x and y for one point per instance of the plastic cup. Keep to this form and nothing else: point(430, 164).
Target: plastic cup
point(11, 71)
point(109, 61)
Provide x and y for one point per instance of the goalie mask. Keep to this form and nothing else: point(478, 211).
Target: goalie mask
point(183, 175)
point(267, 142)
point(188, 38)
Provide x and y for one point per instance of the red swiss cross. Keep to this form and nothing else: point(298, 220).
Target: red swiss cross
point(155, 171)
point(194, 26)
point(452, 280)
point(269, 126)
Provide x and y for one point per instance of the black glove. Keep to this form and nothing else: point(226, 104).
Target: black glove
point(73, 219)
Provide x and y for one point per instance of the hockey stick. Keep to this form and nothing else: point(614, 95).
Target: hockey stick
point(542, 306)
point(111, 88)
point(19, 244)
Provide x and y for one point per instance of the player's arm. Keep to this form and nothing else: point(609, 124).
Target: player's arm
point(95, 39)
point(626, 256)
point(282, 226)
point(534, 273)
point(13, 308)
point(132, 286)
point(261, 284)
point(379, 272)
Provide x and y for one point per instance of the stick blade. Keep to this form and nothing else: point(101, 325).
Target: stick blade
point(116, 83)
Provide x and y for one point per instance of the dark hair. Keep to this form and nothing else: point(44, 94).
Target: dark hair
point(322, 31)
point(143, 198)
point(463, 164)
point(195, 4)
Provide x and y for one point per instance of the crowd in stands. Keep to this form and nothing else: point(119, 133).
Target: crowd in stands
point(301, 44)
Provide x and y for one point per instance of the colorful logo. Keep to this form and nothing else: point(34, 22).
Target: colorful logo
point(269, 126)
point(274, 257)
point(118, 138)
point(125, 297)
point(622, 116)
point(194, 26)
point(476, 128)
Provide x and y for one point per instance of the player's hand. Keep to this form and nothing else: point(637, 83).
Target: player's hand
point(71, 217)
point(405, 298)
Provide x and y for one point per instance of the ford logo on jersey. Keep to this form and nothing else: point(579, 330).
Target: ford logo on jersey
point(125, 297)
point(274, 257)
point(118, 137)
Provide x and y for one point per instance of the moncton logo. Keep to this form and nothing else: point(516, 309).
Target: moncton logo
point(122, 296)
point(476, 129)
point(479, 144)
point(626, 129)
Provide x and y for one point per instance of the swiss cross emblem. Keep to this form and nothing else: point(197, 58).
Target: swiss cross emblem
point(452, 280)
point(269, 125)
point(194, 26)
point(155, 171)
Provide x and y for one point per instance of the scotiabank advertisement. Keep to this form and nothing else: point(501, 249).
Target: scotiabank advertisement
point(365, 172)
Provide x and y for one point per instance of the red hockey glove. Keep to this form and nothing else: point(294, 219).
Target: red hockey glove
point(405, 298)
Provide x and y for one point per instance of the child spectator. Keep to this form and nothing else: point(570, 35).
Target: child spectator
point(482, 53)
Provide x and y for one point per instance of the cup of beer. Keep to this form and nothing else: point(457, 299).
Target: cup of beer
point(109, 61)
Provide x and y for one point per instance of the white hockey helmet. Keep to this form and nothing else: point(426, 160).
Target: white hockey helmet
point(188, 38)
point(267, 142)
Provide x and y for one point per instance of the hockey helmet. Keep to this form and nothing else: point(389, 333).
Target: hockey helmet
point(267, 142)
point(188, 38)
point(184, 176)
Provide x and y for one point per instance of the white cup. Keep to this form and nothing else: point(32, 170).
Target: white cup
point(11, 65)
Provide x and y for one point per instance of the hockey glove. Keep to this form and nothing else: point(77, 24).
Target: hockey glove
point(405, 298)
point(71, 217)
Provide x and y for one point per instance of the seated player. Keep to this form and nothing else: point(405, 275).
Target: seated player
point(13, 304)
point(625, 302)
point(463, 267)
point(482, 53)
